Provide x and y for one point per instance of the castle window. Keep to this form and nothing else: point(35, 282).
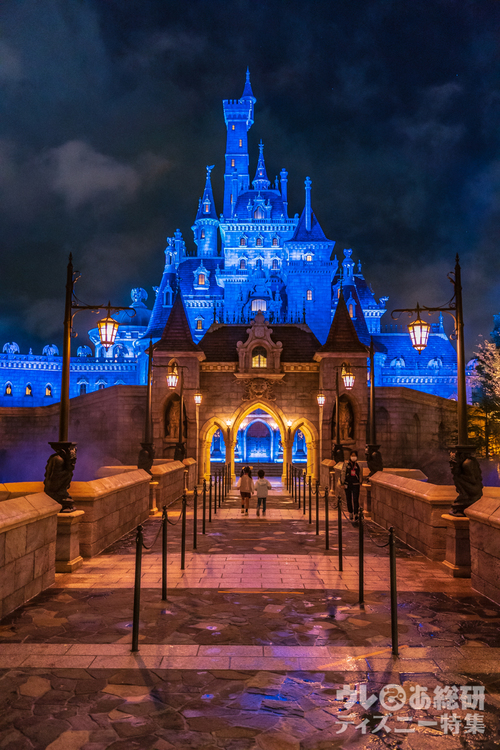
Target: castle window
point(309, 295)
point(259, 213)
point(275, 264)
point(259, 357)
point(201, 279)
point(259, 304)
point(101, 386)
point(207, 208)
point(258, 264)
point(199, 324)
point(351, 310)
point(232, 162)
point(202, 235)
point(29, 390)
point(258, 241)
point(168, 297)
point(241, 143)
point(83, 389)
point(243, 241)
point(309, 258)
point(275, 242)
point(243, 264)
point(48, 390)
point(232, 127)
point(8, 389)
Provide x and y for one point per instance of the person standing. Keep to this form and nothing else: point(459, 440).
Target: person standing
point(246, 488)
point(352, 484)
point(262, 486)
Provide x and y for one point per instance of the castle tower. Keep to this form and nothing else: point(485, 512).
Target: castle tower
point(261, 181)
point(206, 223)
point(238, 115)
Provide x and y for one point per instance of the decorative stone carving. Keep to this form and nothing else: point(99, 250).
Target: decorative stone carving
point(374, 459)
point(258, 388)
point(59, 473)
point(467, 478)
point(146, 457)
point(259, 334)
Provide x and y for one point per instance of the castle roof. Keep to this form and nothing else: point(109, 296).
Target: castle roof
point(206, 206)
point(342, 336)
point(299, 342)
point(247, 91)
point(316, 234)
point(270, 196)
point(176, 335)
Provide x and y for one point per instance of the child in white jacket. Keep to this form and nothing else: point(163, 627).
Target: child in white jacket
point(262, 486)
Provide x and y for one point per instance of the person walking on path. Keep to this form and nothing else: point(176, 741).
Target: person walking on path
point(351, 479)
point(246, 488)
point(262, 486)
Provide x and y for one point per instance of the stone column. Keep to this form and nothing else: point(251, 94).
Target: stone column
point(68, 556)
point(457, 560)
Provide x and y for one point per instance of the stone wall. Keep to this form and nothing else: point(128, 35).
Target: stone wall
point(169, 476)
point(414, 508)
point(414, 430)
point(107, 425)
point(484, 530)
point(113, 506)
point(28, 530)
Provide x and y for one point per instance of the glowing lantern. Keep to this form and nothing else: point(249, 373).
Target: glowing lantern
point(108, 328)
point(198, 398)
point(419, 332)
point(321, 399)
point(348, 377)
point(172, 379)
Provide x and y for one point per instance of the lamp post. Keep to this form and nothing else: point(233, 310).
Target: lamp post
point(464, 466)
point(373, 455)
point(198, 398)
point(147, 452)
point(321, 399)
point(61, 464)
point(172, 379)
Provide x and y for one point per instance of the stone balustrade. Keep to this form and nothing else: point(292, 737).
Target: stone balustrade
point(484, 534)
point(169, 475)
point(28, 530)
point(113, 505)
point(414, 507)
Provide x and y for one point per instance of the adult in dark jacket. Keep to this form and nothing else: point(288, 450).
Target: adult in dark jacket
point(352, 484)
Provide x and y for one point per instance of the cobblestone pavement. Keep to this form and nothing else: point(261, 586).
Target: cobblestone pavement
point(261, 645)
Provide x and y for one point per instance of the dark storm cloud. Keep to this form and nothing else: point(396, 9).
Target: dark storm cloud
point(110, 111)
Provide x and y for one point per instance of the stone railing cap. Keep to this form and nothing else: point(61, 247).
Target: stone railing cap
point(19, 511)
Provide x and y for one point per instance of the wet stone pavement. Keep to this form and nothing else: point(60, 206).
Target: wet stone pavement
point(263, 664)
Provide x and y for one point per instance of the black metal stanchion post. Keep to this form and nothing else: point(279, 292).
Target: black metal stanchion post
point(221, 486)
point(204, 506)
point(210, 500)
point(304, 491)
point(317, 507)
point(164, 554)
point(327, 520)
point(286, 477)
point(310, 499)
point(183, 531)
point(299, 472)
point(137, 589)
point(223, 483)
point(216, 489)
point(195, 517)
point(394, 593)
point(339, 531)
point(361, 558)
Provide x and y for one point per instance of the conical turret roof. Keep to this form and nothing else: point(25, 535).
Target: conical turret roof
point(206, 207)
point(342, 336)
point(247, 91)
point(176, 336)
point(261, 181)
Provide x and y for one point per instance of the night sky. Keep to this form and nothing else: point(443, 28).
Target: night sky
point(111, 109)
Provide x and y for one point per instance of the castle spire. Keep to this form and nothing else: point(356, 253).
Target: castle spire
point(247, 91)
point(342, 336)
point(261, 181)
point(206, 223)
point(176, 336)
point(308, 184)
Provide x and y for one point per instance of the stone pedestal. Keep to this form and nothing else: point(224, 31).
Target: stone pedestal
point(153, 508)
point(68, 556)
point(365, 500)
point(457, 560)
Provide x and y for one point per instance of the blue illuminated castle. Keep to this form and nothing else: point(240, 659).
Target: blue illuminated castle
point(251, 257)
